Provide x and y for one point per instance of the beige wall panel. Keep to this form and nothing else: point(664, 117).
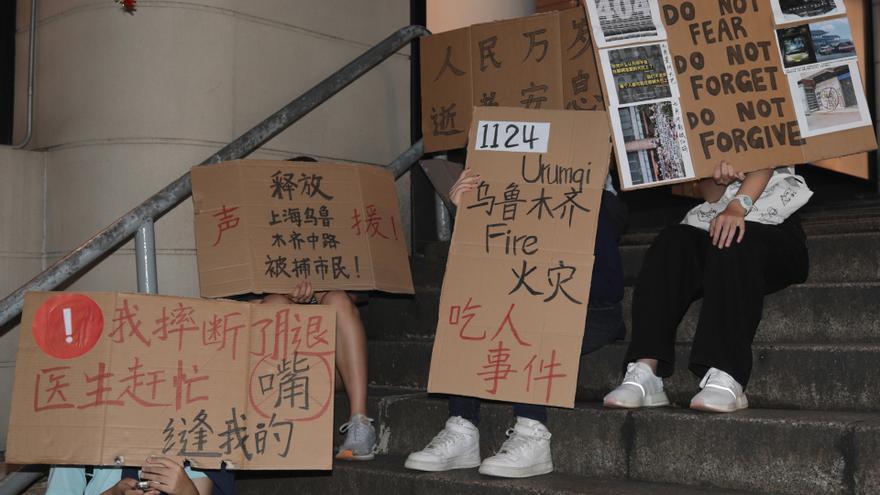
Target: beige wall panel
point(165, 73)
point(368, 121)
point(445, 15)
point(17, 269)
point(365, 23)
point(90, 186)
point(21, 201)
point(177, 274)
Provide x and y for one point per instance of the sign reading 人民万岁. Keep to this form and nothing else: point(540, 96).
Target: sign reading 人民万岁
point(514, 298)
point(759, 83)
point(266, 225)
point(543, 61)
point(110, 378)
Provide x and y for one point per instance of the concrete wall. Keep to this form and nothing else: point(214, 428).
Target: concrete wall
point(22, 177)
point(125, 104)
point(444, 15)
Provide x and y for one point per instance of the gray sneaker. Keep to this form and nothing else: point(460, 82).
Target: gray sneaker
point(360, 439)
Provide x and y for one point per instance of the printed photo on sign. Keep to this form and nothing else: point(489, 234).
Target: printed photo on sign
point(638, 74)
point(829, 99)
point(787, 11)
point(515, 137)
point(620, 22)
point(817, 42)
point(651, 143)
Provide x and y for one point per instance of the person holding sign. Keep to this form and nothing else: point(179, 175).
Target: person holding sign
point(742, 243)
point(158, 475)
point(526, 452)
point(351, 359)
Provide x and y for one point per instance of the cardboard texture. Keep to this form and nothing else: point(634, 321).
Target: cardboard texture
point(514, 297)
point(539, 62)
point(110, 378)
point(738, 100)
point(263, 226)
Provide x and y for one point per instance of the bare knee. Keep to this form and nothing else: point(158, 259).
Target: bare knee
point(275, 299)
point(340, 301)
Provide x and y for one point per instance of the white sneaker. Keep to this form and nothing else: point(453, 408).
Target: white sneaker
point(640, 388)
point(526, 452)
point(721, 393)
point(457, 446)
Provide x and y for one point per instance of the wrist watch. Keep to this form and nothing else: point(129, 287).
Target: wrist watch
point(745, 201)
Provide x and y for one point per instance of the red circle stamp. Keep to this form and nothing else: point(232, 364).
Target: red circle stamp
point(68, 325)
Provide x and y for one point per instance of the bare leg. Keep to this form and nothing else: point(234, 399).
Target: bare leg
point(351, 349)
point(275, 299)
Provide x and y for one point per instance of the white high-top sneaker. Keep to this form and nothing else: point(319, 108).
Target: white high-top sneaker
point(640, 388)
point(457, 446)
point(721, 393)
point(526, 452)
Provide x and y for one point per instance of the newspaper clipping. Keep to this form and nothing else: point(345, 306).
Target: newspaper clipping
point(619, 22)
point(789, 11)
point(820, 62)
point(651, 144)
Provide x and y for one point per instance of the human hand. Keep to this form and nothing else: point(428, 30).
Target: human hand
point(302, 293)
point(725, 174)
point(167, 476)
point(125, 486)
point(467, 181)
point(722, 228)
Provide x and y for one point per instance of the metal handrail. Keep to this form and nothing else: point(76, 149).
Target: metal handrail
point(172, 194)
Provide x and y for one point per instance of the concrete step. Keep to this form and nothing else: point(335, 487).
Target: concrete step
point(834, 313)
point(386, 475)
point(771, 451)
point(795, 376)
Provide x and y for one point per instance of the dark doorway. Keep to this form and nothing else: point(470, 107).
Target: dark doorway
point(7, 70)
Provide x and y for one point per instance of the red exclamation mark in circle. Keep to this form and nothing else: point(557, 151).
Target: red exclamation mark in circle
point(68, 325)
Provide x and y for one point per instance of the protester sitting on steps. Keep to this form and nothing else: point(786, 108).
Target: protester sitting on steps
point(526, 452)
point(744, 242)
point(351, 358)
point(163, 475)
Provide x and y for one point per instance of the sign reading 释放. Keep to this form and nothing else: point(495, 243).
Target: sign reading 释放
point(110, 378)
point(514, 298)
point(758, 83)
point(539, 62)
point(264, 226)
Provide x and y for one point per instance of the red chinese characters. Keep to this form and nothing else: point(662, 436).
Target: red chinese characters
point(226, 220)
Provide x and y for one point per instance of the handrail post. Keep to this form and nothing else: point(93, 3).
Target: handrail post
point(145, 257)
point(441, 214)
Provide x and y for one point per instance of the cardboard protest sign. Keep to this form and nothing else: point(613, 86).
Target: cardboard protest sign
point(108, 378)
point(542, 61)
point(514, 298)
point(264, 226)
point(722, 81)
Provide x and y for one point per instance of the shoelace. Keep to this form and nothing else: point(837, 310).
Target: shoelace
point(444, 439)
point(634, 374)
point(356, 432)
point(716, 375)
point(518, 441)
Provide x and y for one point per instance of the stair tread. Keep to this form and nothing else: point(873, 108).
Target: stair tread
point(390, 467)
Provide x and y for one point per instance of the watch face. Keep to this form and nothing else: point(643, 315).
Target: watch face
point(745, 200)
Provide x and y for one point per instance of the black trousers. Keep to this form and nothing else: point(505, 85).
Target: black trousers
point(682, 266)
